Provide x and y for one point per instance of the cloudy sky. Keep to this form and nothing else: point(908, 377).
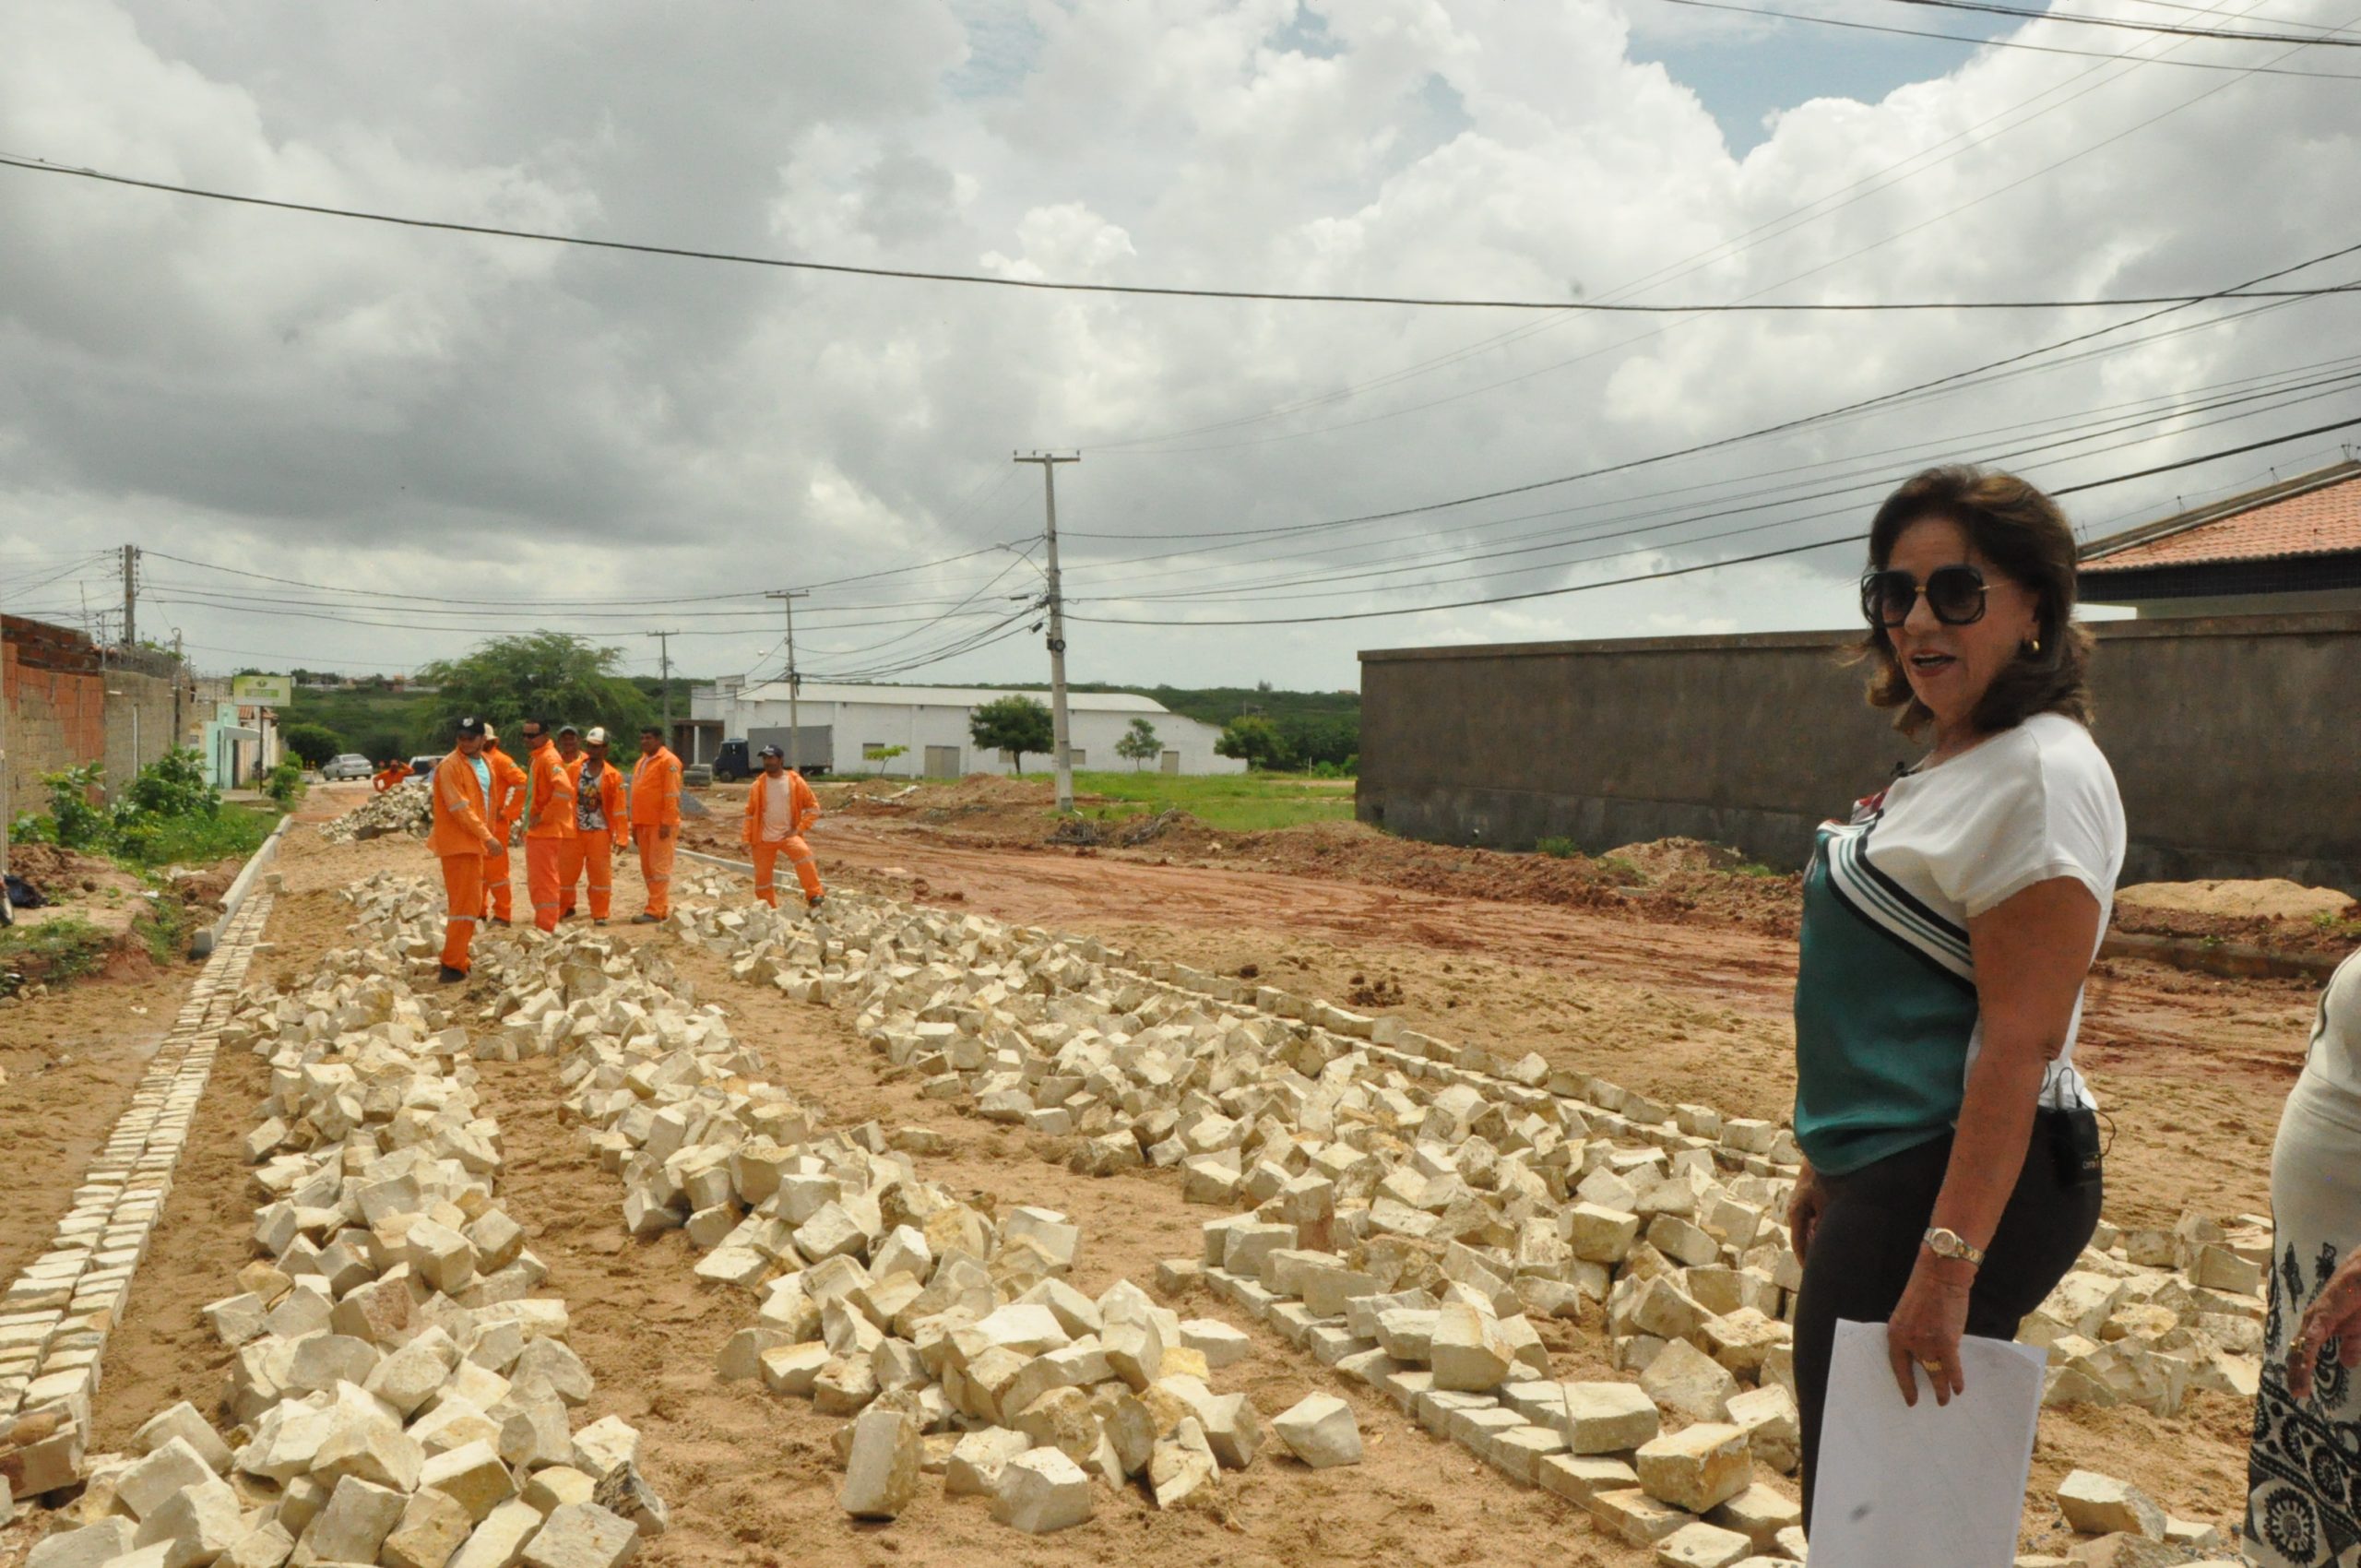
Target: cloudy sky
point(463, 435)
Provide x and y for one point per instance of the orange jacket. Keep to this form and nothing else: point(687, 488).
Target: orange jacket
point(610, 792)
point(549, 795)
point(462, 820)
point(390, 775)
point(656, 791)
point(507, 790)
point(804, 808)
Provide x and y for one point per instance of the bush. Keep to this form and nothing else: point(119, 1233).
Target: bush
point(316, 743)
point(285, 783)
point(169, 812)
point(74, 821)
point(1557, 848)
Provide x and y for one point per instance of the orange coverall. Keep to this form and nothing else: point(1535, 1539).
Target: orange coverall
point(508, 804)
point(656, 824)
point(592, 849)
point(390, 775)
point(549, 826)
point(803, 810)
point(462, 823)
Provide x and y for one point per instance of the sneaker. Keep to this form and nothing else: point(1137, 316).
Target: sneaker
point(646, 920)
point(600, 921)
point(451, 976)
point(813, 904)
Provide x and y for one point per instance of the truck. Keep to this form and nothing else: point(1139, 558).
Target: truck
point(814, 754)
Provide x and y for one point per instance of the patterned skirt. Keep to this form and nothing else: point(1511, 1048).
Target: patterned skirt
point(2304, 1473)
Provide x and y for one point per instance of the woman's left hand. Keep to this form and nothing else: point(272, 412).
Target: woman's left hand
point(1925, 1330)
point(2336, 1313)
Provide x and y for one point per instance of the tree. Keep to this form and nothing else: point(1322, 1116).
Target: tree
point(881, 756)
point(1255, 740)
point(1014, 725)
point(553, 676)
point(316, 743)
point(1139, 743)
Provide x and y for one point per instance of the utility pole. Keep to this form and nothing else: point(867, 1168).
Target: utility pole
point(130, 594)
point(787, 597)
point(1049, 461)
point(664, 681)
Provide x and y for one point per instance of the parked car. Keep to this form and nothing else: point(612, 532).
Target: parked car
point(346, 765)
point(421, 769)
point(730, 764)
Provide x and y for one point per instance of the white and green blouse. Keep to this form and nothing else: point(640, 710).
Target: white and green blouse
point(1886, 1016)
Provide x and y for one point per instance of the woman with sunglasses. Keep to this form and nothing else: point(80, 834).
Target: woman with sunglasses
point(1952, 1174)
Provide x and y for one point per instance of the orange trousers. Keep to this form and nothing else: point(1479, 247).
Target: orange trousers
point(497, 902)
point(799, 854)
point(463, 890)
point(655, 866)
point(593, 855)
point(541, 878)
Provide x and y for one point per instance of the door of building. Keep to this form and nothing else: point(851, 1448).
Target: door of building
point(942, 762)
point(1171, 762)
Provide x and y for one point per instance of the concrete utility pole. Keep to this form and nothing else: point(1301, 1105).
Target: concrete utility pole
point(788, 596)
point(664, 681)
point(130, 594)
point(1058, 731)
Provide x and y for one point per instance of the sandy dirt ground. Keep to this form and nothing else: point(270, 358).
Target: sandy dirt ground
point(2193, 1068)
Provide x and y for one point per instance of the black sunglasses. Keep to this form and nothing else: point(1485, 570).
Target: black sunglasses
point(1954, 593)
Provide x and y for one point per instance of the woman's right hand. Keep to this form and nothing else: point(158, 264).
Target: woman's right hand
point(1804, 1210)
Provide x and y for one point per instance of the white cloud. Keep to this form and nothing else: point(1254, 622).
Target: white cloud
point(412, 411)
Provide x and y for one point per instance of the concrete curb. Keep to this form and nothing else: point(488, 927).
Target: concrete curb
point(206, 940)
point(2234, 959)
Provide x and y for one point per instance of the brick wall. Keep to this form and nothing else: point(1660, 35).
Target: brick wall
point(57, 701)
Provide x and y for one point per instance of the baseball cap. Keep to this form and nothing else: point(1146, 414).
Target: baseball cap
point(595, 736)
point(567, 730)
point(771, 751)
point(471, 725)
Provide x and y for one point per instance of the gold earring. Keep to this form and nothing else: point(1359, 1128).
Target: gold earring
point(2037, 645)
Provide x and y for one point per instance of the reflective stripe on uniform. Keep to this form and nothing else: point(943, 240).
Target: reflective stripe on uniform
point(461, 920)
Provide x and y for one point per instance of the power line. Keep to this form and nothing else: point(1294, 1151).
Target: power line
point(2010, 44)
point(1142, 289)
point(2026, 12)
point(1689, 570)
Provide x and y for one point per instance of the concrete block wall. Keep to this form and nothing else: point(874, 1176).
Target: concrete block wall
point(2232, 740)
point(151, 711)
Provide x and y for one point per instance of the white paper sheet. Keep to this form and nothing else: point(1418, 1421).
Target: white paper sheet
point(1934, 1487)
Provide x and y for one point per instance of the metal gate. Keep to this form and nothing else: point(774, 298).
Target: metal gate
point(942, 762)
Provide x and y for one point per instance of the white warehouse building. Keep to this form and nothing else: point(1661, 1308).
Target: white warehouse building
point(929, 723)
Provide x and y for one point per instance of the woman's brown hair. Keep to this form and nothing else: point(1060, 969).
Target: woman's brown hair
point(2023, 535)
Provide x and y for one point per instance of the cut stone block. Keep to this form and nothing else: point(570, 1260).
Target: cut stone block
point(1685, 1379)
point(1604, 1418)
point(583, 1534)
point(92, 1546)
point(978, 1459)
point(1759, 1513)
point(1040, 1492)
point(1696, 1468)
point(472, 1475)
point(176, 1465)
point(882, 1473)
point(1319, 1430)
point(1219, 1343)
point(1467, 1352)
point(1701, 1545)
point(354, 1525)
point(2098, 1506)
point(196, 1525)
point(433, 1526)
point(182, 1422)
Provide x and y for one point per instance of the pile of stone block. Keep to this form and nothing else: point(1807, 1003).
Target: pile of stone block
point(2156, 1315)
point(399, 1392)
point(2123, 1527)
point(55, 1316)
point(407, 807)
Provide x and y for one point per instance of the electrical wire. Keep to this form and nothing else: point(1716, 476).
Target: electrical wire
point(43, 166)
point(2010, 44)
point(1680, 571)
point(2027, 12)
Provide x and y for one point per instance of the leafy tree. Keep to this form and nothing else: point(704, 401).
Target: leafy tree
point(1139, 744)
point(1014, 725)
point(316, 743)
point(553, 676)
point(881, 756)
point(284, 783)
point(1255, 740)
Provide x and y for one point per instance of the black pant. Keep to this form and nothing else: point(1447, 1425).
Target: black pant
point(1867, 1244)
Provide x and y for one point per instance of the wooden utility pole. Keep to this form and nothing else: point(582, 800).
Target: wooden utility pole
point(787, 597)
point(1057, 730)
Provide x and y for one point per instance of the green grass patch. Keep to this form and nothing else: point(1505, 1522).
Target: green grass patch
point(1557, 848)
point(236, 829)
point(1235, 802)
point(53, 951)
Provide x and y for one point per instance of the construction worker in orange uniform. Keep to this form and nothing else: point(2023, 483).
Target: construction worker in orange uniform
point(549, 820)
point(507, 805)
point(390, 775)
point(779, 810)
point(461, 839)
point(601, 822)
point(655, 821)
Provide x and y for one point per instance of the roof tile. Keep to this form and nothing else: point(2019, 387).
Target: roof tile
point(2317, 522)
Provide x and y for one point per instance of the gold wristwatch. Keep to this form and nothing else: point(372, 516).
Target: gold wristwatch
point(1952, 1245)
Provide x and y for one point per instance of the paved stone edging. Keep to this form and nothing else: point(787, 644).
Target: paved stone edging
point(55, 1316)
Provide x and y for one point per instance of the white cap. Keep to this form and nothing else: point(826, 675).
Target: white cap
point(595, 736)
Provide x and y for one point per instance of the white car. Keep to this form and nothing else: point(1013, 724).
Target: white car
point(349, 765)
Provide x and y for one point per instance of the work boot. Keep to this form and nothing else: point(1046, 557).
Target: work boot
point(813, 904)
point(451, 976)
point(645, 920)
point(601, 921)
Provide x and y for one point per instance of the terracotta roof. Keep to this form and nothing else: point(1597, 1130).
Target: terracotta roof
point(2317, 514)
